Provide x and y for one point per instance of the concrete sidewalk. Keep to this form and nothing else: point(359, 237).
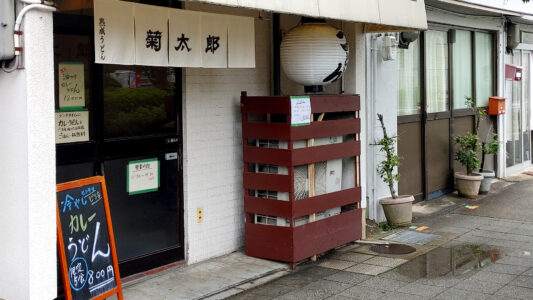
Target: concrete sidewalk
point(481, 253)
point(354, 272)
point(234, 271)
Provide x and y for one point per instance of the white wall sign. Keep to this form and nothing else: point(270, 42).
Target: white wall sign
point(151, 35)
point(241, 42)
point(71, 84)
point(113, 32)
point(214, 41)
point(72, 126)
point(300, 110)
point(143, 176)
point(185, 45)
point(158, 36)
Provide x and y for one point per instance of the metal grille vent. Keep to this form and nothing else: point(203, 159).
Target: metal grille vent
point(301, 183)
point(320, 177)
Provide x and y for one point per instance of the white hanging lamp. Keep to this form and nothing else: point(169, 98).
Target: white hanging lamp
point(314, 54)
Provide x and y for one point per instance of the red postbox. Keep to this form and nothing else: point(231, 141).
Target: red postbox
point(496, 105)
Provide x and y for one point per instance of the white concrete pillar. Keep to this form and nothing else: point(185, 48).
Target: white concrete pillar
point(355, 83)
point(500, 72)
point(27, 178)
point(382, 97)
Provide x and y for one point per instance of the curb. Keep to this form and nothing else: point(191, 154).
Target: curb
point(246, 284)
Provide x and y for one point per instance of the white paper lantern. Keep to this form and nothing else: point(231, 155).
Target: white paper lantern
point(314, 54)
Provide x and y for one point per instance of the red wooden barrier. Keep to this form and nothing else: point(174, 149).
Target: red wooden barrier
point(290, 241)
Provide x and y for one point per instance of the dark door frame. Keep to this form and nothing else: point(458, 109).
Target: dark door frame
point(97, 149)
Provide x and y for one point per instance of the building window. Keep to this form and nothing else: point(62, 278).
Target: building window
point(484, 67)
point(409, 80)
point(436, 52)
point(472, 65)
point(462, 68)
point(138, 101)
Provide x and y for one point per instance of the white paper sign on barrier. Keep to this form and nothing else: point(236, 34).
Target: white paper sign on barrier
point(300, 110)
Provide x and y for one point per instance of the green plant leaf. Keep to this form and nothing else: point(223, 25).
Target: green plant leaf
point(469, 146)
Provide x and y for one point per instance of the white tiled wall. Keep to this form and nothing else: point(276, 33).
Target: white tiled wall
point(213, 145)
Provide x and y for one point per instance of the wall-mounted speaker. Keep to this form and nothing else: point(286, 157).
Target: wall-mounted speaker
point(406, 38)
point(513, 36)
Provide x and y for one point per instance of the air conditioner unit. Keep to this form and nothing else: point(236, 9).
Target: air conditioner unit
point(301, 183)
point(328, 175)
point(328, 179)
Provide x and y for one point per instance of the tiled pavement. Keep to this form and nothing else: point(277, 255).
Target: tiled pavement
point(354, 272)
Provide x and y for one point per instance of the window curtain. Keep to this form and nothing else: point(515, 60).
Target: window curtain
point(484, 67)
point(462, 68)
point(409, 80)
point(436, 52)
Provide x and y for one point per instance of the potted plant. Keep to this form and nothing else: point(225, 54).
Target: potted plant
point(487, 146)
point(468, 183)
point(397, 209)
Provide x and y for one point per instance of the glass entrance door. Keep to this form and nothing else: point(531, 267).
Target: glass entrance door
point(518, 144)
point(437, 114)
point(126, 126)
point(140, 132)
point(436, 75)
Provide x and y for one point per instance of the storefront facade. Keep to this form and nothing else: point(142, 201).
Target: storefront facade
point(186, 119)
point(461, 55)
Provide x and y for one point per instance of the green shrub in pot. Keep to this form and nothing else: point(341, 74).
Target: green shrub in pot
point(397, 209)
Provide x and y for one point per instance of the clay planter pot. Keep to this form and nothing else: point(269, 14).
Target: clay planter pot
point(487, 180)
point(468, 185)
point(399, 211)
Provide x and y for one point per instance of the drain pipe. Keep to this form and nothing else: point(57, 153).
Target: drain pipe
point(371, 124)
point(17, 33)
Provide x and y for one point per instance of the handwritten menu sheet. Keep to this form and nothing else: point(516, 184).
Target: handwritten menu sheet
point(72, 126)
point(71, 81)
point(143, 176)
point(86, 245)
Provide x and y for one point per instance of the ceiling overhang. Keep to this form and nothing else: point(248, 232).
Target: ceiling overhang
point(410, 14)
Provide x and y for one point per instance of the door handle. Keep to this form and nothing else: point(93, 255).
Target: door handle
point(102, 168)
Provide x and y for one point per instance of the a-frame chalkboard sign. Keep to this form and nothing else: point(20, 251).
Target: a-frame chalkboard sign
point(86, 244)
